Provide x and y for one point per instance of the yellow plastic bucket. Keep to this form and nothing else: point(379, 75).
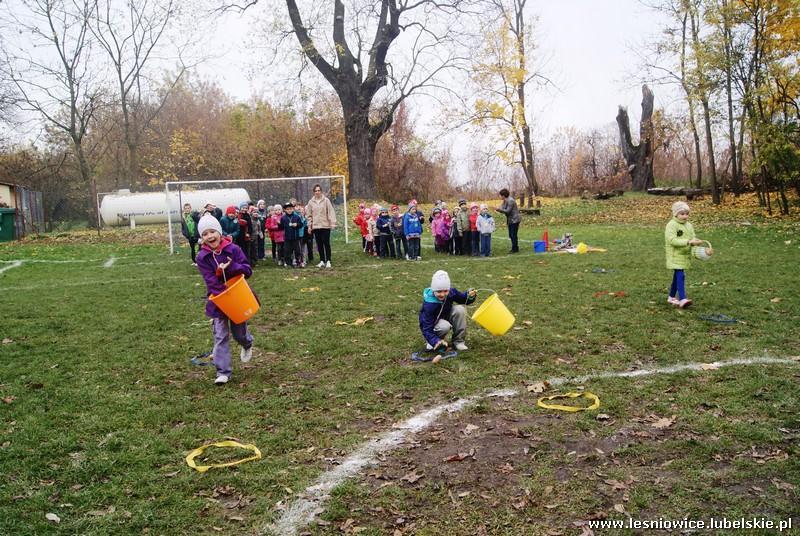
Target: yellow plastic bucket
point(494, 316)
point(237, 301)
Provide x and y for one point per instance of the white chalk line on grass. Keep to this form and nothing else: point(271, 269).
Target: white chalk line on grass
point(95, 282)
point(310, 502)
point(13, 264)
point(110, 262)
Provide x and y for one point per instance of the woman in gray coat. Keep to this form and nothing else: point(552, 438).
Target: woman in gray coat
point(510, 209)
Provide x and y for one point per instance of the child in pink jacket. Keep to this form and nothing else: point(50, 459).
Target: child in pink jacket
point(276, 233)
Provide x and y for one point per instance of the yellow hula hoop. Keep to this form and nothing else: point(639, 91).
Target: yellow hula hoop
point(590, 396)
point(222, 444)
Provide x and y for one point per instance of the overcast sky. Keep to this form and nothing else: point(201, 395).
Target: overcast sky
point(586, 45)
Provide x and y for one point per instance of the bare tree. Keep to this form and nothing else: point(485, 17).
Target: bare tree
point(354, 58)
point(53, 71)
point(503, 73)
point(639, 157)
point(131, 37)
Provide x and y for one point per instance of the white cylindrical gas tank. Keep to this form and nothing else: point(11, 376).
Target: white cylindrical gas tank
point(119, 208)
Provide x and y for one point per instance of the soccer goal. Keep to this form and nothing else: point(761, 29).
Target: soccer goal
point(276, 190)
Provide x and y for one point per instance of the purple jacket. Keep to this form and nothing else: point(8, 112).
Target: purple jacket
point(207, 263)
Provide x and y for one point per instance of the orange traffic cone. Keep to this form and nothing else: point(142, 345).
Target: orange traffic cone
point(546, 240)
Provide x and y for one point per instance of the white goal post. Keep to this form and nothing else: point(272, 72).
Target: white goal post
point(277, 190)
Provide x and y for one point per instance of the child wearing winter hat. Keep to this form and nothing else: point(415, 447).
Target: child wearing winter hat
point(220, 259)
point(373, 236)
point(384, 226)
point(276, 233)
point(444, 309)
point(399, 239)
point(230, 224)
point(412, 229)
point(475, 236)
point(486, 227)
point(679, 238)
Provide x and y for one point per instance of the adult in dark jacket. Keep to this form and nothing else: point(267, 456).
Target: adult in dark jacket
point(189, 221)
point(513, 219)
point(438, 314)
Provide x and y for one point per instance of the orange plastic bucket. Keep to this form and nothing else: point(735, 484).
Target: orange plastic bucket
point(237, 301)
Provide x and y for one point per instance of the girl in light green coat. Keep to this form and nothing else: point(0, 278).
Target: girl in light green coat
point(679, 238)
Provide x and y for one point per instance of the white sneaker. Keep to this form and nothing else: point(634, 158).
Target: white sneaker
point(328, 264)
point(246, 354)
point(221, 380)
point(419, 258)
point(673, 301)
point(460, 346)
point(428, 347)
point(321, 264)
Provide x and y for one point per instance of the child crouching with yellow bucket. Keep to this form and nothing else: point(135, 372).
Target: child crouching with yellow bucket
point(444, 310)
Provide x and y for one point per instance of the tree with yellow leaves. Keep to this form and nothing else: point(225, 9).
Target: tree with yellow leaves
point(502, 72)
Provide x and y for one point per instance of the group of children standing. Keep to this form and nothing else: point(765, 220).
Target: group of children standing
point(387, 233)
point(249, 226)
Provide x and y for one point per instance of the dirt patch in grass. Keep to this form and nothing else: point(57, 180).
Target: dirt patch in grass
point(543, 473)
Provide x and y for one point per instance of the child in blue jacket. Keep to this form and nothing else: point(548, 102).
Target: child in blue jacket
point(444, 309)
point(412, 229)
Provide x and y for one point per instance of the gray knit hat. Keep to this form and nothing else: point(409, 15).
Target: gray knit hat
point(679, 206)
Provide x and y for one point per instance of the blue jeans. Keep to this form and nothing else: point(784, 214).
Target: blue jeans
point(678, 285)
point(486, 245)
point(476, 243)
point(413, 248)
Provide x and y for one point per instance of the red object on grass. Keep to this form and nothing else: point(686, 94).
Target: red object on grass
point(546, 240)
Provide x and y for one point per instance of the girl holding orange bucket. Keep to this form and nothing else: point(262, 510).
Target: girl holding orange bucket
point(220, 260)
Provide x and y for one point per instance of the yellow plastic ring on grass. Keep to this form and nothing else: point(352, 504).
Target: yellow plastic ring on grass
point(590, 396)
point(222, 444)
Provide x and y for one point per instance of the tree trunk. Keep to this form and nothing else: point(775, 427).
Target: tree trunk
point(86, 176)
point(698, 154)
point(360, 152)
point(639, 157)
point(712, 165)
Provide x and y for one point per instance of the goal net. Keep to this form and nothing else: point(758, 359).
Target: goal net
point(273, 191)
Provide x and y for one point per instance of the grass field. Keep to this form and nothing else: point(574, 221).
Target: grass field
point(100, 404)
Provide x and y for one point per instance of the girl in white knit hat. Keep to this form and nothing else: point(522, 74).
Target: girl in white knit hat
point(220, 259)
point(679, 238)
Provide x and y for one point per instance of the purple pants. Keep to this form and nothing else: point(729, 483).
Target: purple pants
point(222, 329)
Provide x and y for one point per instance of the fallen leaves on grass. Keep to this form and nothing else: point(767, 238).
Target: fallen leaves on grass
point(7, 341)
point(411, 477)
point(356, 322)
point(469, 429)
point(9, 399)
point(663, 422)
point(775, 300)
point(765, 456)
point(709, 366)
point(613, 294)
point(52, 517)
point(461, 456)
point(311, 289)
point(538, 387)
